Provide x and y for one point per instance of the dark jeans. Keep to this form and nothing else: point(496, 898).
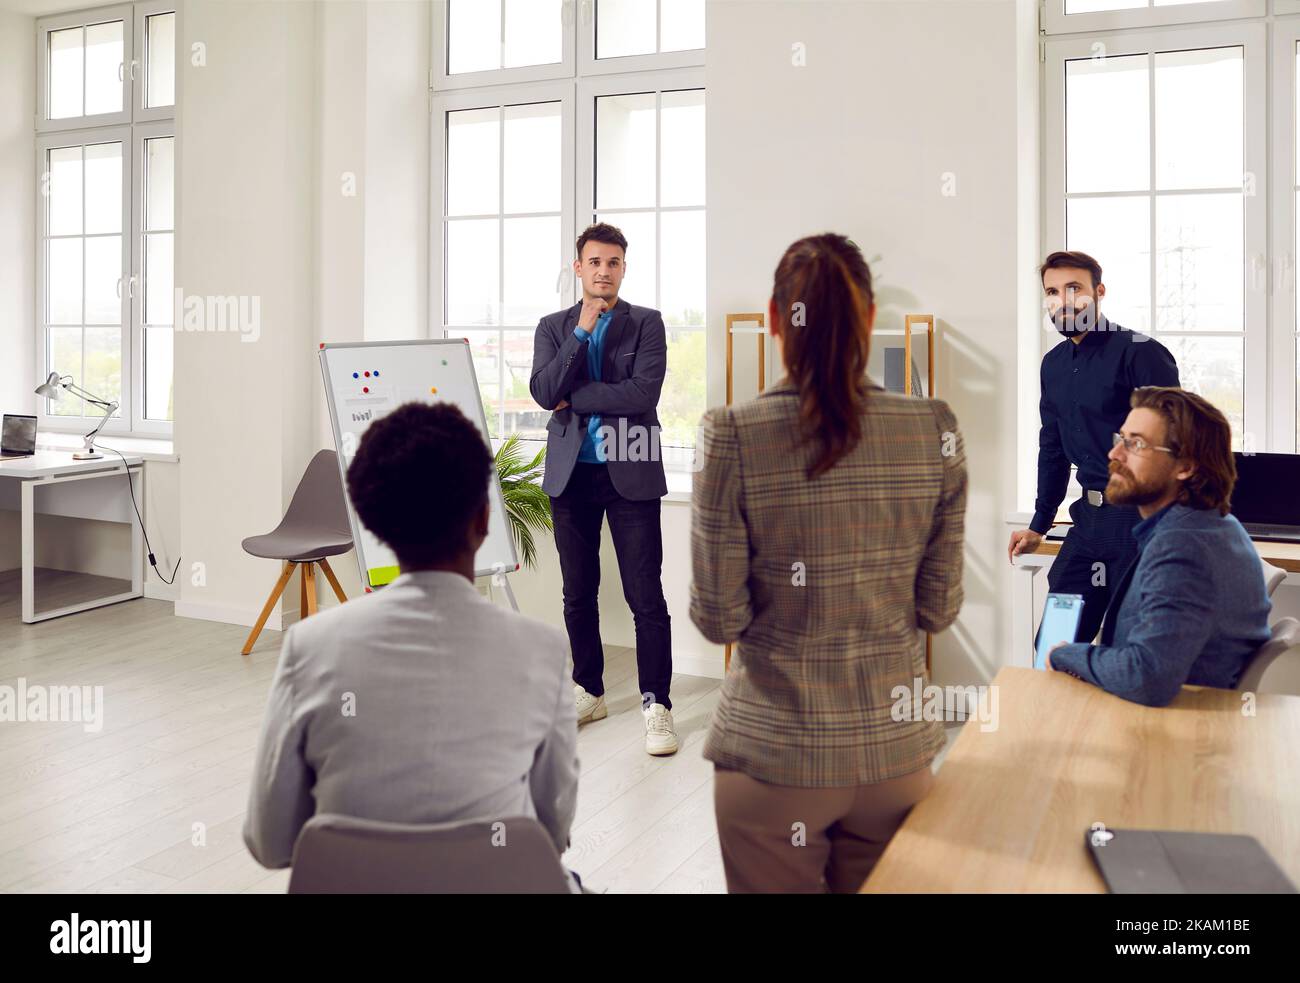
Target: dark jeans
point(579, 512)
point(1093, 558)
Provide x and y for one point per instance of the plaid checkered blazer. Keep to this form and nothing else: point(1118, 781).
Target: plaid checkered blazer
point(826, 585)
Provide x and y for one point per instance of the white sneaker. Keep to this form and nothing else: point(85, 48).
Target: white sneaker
point(589, 707)
point(660, 738)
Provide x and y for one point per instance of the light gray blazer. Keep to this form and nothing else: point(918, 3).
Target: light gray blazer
point(420, 703)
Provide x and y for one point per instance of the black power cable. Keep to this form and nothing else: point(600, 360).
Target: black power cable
point(131, 488)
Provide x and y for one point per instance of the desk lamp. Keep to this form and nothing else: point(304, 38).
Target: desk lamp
point(52, 388)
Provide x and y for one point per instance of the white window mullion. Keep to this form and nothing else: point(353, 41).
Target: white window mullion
point(80, 139)
point(139, 240)
point(1284, 357)
point(590, 64)
point(1259, 387)
point(445, 81)
point(1260, 407)
point(142, 57)
point(121, 77)
point(501, 253)
point(1057, 21)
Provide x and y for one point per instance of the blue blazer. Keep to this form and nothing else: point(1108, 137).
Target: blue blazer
point(634, 360)
point(1194, 610)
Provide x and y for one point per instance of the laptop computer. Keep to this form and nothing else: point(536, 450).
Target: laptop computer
point(1153, 861)
point(17, 436)
point(1266, 498)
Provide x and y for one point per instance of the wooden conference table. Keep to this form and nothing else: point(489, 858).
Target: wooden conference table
point(1010, 806)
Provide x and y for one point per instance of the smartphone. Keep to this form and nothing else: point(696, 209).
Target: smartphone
point(1060, 622)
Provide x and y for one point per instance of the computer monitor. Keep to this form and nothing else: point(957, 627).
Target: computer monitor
point(1267, 492)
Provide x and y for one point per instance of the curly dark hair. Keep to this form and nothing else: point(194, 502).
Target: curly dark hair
point(418, 479)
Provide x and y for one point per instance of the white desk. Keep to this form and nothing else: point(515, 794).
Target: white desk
point(52, 483)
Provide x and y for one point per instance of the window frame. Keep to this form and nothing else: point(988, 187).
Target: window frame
point(1258, 411)
point(589, 65)
point(132, 127)
point(578, 80)
point(487, 97)
point(676, 457)
point(443, 81)
point(1285, 337)
point(82, 137)
point(143, 11)
point(83, 18)
point(1056, 21)
point(143, 132)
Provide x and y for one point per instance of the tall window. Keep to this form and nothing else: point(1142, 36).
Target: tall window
point(105, 168)
point(648, 179)
point(504, 230)
point(1292, 63)
point(550, 115)
point(1157, 166)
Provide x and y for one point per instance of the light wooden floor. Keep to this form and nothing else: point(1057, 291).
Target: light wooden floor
point(117, 810)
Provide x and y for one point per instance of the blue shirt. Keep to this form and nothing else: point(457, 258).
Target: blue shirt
point(1085, 399)
point(593, 446)
point(1144, 530)
point(1192, 608)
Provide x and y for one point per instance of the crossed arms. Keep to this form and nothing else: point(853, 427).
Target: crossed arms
point(558, 359)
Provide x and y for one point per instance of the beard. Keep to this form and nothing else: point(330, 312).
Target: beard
point(1072, 321)
point(1123, 488)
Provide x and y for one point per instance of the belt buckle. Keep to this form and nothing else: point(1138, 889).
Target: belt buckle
point(1094, 498)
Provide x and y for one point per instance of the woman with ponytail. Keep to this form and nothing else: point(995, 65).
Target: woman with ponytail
point(826, 537)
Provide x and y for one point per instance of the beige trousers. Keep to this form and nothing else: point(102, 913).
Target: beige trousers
point(790, 840)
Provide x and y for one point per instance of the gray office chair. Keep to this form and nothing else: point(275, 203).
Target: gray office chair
point(344, 855)
point(1273, 576)
point(1286, 636)
point(314, 527)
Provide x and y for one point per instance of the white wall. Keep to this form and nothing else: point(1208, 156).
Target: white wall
point(304, 182)
point(246, 228)
point(894, 100)
point(17, 236)
point(18, 206)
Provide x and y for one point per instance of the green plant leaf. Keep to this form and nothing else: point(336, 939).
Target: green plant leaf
point(528, 507)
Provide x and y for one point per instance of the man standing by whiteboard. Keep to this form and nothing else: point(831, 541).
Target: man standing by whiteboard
point(599, 365)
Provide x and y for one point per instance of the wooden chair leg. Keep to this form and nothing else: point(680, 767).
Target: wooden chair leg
point(334, 581)
point(270, 605)
point(302, 590)
point(309, 579)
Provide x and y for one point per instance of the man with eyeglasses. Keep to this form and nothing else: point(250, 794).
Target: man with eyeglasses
point(1086, 381)
point(1193, 608)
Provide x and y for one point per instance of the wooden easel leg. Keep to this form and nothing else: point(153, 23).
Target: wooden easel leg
point(309, 579)
point(334, 581)
point(270, 605)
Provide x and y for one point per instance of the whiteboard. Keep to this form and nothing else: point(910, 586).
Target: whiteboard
point(364, 381)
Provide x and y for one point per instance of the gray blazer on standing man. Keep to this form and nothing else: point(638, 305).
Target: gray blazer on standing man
point(635, 360)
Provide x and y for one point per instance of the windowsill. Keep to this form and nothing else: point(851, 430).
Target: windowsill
point(148, 448)
point(679, 486)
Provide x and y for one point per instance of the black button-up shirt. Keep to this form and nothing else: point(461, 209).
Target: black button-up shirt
point(1085, 399)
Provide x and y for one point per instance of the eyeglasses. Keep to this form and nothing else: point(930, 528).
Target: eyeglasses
point(1136, 445)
